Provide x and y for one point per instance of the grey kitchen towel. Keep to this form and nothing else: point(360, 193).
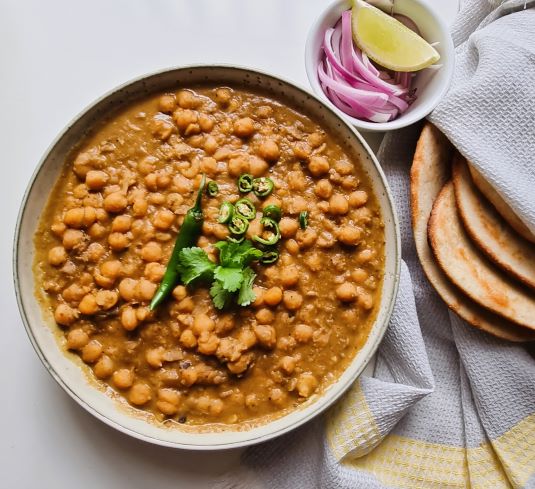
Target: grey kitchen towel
point(448, 406)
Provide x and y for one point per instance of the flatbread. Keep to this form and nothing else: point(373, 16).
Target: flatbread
point(489, 231)
point(501, 206)
point(429, 173)
point(470, 271)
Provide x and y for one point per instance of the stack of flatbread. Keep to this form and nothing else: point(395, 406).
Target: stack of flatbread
point(474, 249)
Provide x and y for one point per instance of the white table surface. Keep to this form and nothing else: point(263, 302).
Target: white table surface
point(56, 56)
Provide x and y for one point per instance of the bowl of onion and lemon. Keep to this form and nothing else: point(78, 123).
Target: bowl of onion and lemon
point(382, 64)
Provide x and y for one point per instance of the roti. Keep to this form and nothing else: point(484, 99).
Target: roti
point(501, 206)
point(429, 173)
point(469, 270)
point(489, 231)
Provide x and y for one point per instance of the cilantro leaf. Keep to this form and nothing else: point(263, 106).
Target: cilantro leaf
point(237, 255)
point(246, 294)
point(193, 264)
point(220, 296)
point(230, 278)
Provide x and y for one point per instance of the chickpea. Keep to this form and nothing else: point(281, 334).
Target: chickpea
point(129, 318)
point(292, 246)
point(92, 351)
point(288, 227)
point(343, 167)
point(57, 256)
point(74, 292)
point(185, 118)
point(244, 127)
point(115, 202)
point(358, 198)
point(359, 275)
point(94, 252)
point(349, 235)
point(88, 305)
point(265, 334)
point(318, 165)
point(154, 272)
point(238, 165)
point(104, 367)
point(187, 339)
point(154, 357)
point(306, 384)
point(111, 268)
point(188, 99)
point(186, 305)
point(74, 217)
point(269, 150)
point(287, 364)
point(118, 241)
point(296, 180)
point(77, 339)
point(222, 96)
point(265, 316)
point(302, 150)
point(179, 292)
point(257, 166)
point(302, 333)
point(206, 123)
point(96, 231)
point(306, 237)
point(210, 145)
point(145, 289)
point(167, 103)
point(364, 256)
point(96, 179)
point(252, 401)
point(151, 252)
point(350, 182)
point(220, 231)
point(151, 181)
point(123, 378)
point(292, 300)
point(277, 396)
point(364, 300)
point(323, 189)
point(273, 296)
point(207, 343)
point(164, 219)
point(347, 292)
point(289, 276)
point(209, 165)
point(106, 299)
point(127, 288)
point(168, 401)
point(72, 238)
point(338, 204)
point(58, 228)
point(202, 323)
point(316, 139)
point(140, 207)
point(140, 394)
point(121, 224)
point(215, 407)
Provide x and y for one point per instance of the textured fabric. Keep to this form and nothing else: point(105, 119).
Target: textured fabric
point(448, 406)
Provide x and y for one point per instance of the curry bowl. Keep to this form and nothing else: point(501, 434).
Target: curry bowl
point(47, 338)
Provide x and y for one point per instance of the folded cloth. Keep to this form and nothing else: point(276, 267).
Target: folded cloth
point(448, 406)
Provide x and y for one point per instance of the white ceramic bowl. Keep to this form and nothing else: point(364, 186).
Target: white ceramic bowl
point(431, 84)
point(66, 368)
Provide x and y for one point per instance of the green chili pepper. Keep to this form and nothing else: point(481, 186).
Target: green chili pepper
point(273, 212)
point(270, 225)
point(245, 183)
point(262, 186)
point(269, 257)
point(236, 239)
point(212, 188)
point(226, 211)
point(303, 219)
point(245, 208)
point(187, 236)
point(238, 225)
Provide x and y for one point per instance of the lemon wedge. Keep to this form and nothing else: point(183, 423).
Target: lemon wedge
point(388, 42)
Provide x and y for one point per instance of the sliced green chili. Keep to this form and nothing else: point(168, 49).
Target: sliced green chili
point(226, 211)
point(238, 225)
point(187, 236)
point(262, 186)
point(269, 225)
point(273, 212)
point(212, 188)
point(245, 208)
point(245, 183)
point(236, 239)
point(269, 257)
point(303, 219)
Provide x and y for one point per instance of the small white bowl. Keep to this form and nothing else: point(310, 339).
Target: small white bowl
point(431, 84)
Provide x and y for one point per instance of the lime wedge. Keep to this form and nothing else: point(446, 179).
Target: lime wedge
point(388, 42)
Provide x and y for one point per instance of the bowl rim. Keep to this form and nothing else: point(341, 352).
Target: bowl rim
point(225, 445)
point(401, 121)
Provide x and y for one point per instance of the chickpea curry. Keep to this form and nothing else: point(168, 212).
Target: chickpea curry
point(268, 295)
